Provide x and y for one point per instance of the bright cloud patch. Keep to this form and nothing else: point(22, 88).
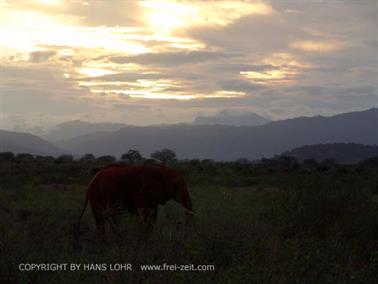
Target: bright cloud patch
point(95, 72)
point(166, 16)
point(318, 46)
point(284, 70)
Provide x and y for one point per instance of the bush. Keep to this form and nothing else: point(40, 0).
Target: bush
point(6, 156)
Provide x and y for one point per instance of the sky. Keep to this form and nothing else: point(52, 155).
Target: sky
point(152, 62)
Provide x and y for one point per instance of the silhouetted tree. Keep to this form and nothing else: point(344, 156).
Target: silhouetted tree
point(88, 158)
point(132, 157)
point(310, 164)
point(24, 157)
point(369, 163)
point(288, 162)
point(6, 156)
point(65, 158)
point(242, 161)
point(327, 164)
point(194, 162)
point(273, 163)
point(165, 156)
point(49, 159)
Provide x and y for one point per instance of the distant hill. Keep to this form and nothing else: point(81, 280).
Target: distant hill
point(344, 153)
point(17, 142)
point(226, 118)
point(222, 142)
point(75, 128)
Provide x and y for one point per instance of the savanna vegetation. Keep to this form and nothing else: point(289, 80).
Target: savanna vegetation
point(272, 222)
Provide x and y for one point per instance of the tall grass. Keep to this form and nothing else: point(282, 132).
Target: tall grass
point(256, 225)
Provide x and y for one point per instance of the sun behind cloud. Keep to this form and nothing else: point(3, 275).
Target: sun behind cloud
point(166, 16)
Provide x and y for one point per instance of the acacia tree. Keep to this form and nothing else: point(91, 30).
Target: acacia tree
point(165, 156)
point(88, 158)
point(132, 157)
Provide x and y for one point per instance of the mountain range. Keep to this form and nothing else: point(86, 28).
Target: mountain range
point(17, 142)
point(227, 118)
point(71, 129)
point(218, 142)
point(224, 142)
point(344, 153)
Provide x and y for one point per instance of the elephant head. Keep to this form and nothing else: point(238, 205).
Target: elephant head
point(182, 196)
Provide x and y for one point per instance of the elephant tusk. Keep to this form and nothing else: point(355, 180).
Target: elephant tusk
point(189, 211)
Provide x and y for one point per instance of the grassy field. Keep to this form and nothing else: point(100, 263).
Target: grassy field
point(256, 224)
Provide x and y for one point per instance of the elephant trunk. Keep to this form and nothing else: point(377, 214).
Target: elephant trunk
point(182, 197)
point(188, 208)
point(189, 213)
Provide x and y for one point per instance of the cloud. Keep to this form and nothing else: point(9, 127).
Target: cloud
point(41, 55)
point(133, 62)
point(317, 46)
point(130, 107)
point(170, 58)
point(238, 85)
point(341, 91)
point(258, 35)
point(166, 16)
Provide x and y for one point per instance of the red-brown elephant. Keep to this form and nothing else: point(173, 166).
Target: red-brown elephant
point(137, 189)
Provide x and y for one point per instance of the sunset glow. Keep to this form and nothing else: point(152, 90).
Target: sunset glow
point(181, 58)
point(315, 46)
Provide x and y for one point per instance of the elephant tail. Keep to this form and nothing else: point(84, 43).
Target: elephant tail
point(83, 210)
point(76, 229)
point(88, 188)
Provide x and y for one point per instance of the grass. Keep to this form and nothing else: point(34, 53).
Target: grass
point(255, 224)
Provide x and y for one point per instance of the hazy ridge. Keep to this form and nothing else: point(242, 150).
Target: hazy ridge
point(218, 142)
point(17, 142)
point(345, 153)
point(222, 142)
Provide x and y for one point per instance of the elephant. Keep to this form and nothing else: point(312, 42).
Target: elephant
point(138, 189)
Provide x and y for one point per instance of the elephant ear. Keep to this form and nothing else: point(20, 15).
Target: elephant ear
point(150, 188)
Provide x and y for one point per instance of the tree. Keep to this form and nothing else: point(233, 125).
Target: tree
point(288, 162)
point(327, 164)
point(6, 156)
point(65, 158)
point(107, 159)
point(165, 156)
point(330, 163)
point(24, 157)
point(369, 163)
point(208, 161)
point(242, 161)
point(132, 157)
point(88, 158)
point(310, 164)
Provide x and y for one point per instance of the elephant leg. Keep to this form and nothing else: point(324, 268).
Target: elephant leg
point(151, 218)
point(115, 224)
point(100, 224)
point(100, 228)
point(148, 217)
